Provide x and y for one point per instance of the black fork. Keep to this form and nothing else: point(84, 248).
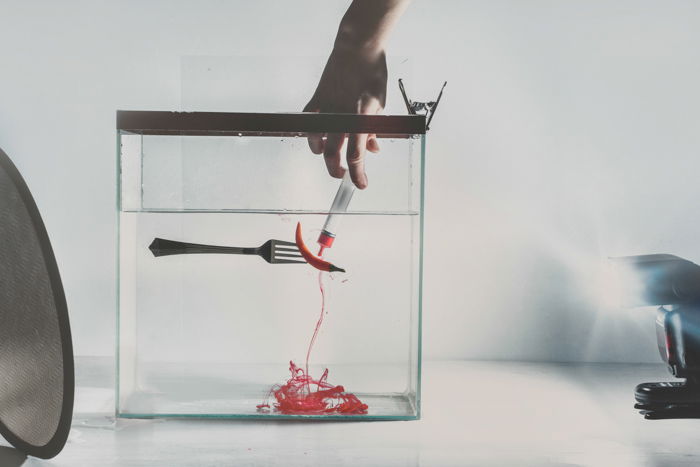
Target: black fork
point(272, 251)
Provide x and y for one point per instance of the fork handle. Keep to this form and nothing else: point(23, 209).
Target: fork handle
point(162, 247)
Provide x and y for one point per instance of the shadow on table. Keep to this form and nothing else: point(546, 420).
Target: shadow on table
point(11, 457)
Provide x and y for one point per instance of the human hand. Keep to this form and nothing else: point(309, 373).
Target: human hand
point(353, 81)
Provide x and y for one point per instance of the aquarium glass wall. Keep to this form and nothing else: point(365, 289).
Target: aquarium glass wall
point(215, 334)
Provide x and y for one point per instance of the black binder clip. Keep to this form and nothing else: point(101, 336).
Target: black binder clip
point(425, 108)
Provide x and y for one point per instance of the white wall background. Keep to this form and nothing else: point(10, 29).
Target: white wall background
point(569, 131)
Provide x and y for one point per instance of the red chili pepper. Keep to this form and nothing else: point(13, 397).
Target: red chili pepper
point(312, 259)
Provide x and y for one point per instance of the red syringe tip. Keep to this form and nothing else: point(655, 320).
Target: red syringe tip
point(325, 239)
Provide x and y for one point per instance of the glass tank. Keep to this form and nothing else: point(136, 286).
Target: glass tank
point(212, 325)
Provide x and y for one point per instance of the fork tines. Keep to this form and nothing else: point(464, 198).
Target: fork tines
point(282, 250)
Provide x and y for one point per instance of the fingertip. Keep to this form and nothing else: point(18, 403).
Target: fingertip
point(316, 143)
point(336, 171)
point(355, 157)
point(372, 145)
point(334, 168)
point(358, 177)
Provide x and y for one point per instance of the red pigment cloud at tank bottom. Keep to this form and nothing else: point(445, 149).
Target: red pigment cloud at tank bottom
point(298, 396)
point(303, 395)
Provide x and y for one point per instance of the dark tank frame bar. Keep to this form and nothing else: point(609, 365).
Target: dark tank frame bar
point(148, 122)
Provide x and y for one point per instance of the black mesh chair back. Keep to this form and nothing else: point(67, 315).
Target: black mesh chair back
point(36, 353)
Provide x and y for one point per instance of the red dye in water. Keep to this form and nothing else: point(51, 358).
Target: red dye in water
point(302, 394)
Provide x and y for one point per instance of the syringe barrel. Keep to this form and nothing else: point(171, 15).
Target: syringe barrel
point(339, 206)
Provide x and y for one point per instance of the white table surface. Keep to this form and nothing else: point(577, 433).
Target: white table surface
point(474, 413)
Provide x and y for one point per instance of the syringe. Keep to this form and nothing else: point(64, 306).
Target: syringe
point(339, 206)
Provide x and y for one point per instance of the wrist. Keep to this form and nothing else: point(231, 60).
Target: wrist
point(351, 39)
